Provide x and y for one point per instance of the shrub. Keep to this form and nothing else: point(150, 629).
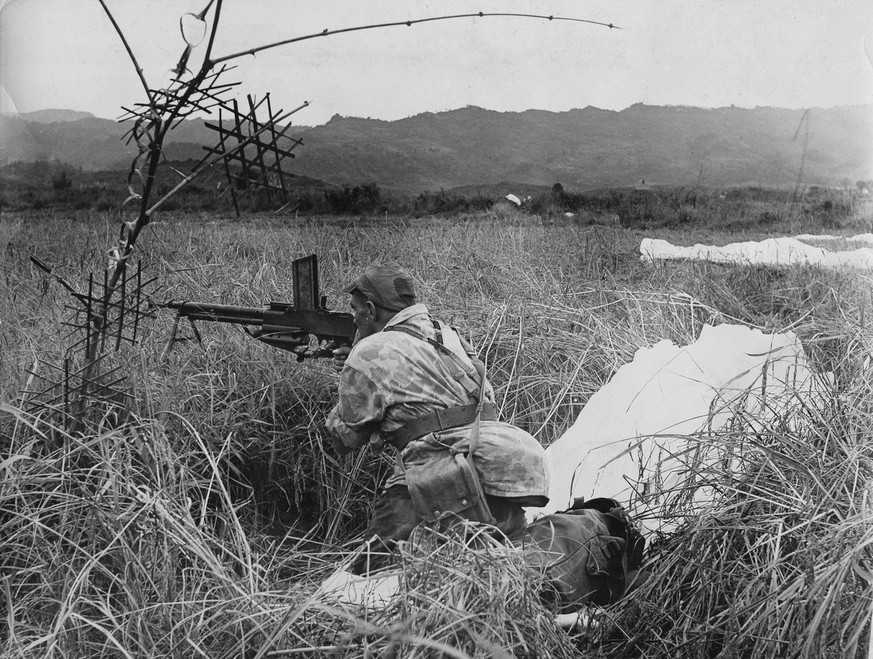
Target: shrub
point(687, 214)
point(105, 203)
point(61, 181)
point(360, 199)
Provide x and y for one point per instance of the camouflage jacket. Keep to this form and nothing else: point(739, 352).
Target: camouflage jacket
point(391, 377)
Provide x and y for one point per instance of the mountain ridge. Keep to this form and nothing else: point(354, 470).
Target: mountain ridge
point(580, 148)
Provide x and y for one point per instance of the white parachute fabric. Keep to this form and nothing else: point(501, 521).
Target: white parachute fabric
point(374, 591)
point(648, 433)
point(772, 251)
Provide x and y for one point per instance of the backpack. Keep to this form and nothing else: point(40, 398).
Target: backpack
point(590, 553)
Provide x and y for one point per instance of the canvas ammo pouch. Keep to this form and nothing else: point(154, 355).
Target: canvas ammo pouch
point(588, 553)
point(445, 487)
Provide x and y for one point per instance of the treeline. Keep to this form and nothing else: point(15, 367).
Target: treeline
point(370, 199)
point(52, 186)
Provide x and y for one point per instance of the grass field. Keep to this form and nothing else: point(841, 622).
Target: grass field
point(202, 523)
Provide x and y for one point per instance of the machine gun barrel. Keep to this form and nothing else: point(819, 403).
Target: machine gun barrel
point(220, 313)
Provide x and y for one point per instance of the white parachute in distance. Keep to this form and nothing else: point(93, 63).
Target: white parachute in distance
point(772, 251)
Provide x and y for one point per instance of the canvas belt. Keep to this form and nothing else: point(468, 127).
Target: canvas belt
point(446, 419)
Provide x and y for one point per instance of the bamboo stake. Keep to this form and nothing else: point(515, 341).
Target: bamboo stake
point(238, 147)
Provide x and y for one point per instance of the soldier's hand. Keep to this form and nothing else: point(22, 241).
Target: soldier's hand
point(339, 357)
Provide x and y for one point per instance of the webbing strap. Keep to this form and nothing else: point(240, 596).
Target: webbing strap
point(439, 332)
point(477, 394)
point(456, 367)
point(440, 420)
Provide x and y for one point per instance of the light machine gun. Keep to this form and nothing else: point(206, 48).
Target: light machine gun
point(280, 324)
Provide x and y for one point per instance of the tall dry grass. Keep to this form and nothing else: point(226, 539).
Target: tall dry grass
point(203, 525)
point(780, 564)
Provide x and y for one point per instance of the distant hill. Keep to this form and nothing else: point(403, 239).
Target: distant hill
point(55, 116)
point(469, 147)
point(589, 148)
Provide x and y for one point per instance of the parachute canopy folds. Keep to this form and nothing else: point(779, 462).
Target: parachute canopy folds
point(648, 434)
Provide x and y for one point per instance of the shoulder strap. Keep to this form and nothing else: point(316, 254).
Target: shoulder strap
point(438, 330)
point(459, 372)
point(471, 380)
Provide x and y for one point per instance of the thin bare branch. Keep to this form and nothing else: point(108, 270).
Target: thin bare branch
point(327, 33)
point(133, 59)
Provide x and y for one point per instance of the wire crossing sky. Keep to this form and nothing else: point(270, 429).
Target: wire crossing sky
point(709, 53)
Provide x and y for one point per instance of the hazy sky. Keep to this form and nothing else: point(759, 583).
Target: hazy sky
point(711, 53)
